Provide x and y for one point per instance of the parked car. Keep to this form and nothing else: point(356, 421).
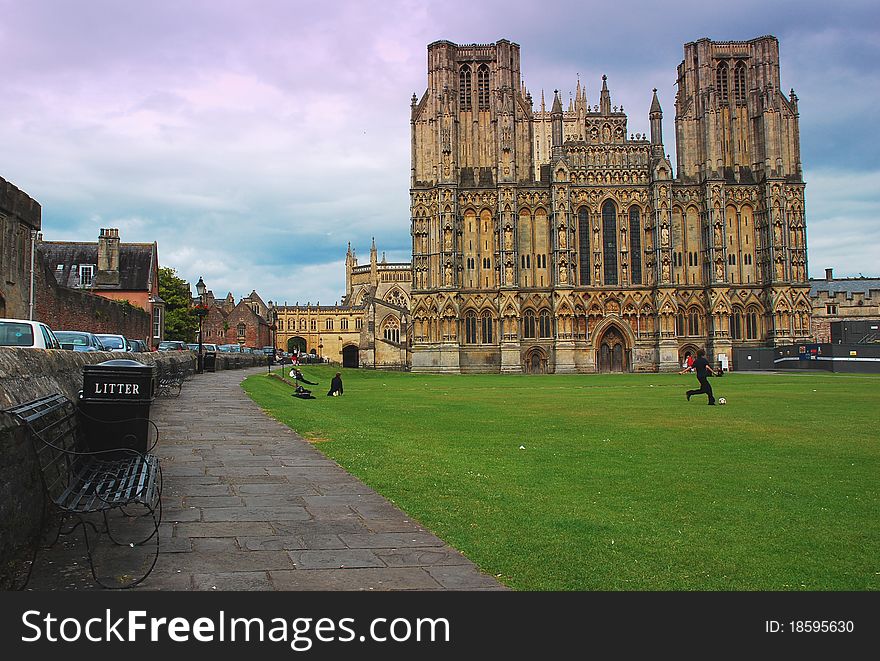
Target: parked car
point(230, 348)
point(172, 345)
point(113, 342)
point(209, 348)
point(25, 333)
point(192, 346)
point(139, 345)
point(79, 341)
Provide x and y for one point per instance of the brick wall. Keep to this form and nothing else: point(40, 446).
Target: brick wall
point(72, 309)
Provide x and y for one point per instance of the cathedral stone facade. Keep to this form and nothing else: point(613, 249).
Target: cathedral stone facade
point(556, 241)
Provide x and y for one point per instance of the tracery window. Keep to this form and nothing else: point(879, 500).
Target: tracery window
point(584, 244)
point(635, 245)
point(470, 327)
point(721, 82)
point(483, 87)
point(464, 87)
point(529, 324)
point(693, 322)
point(391, 331)
point(486, 327)
point(739, 83)
point(609, 238)
point(736, 324)
point(544, 330)
point(752, 324)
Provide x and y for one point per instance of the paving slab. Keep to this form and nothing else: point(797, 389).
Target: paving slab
point(251, 506)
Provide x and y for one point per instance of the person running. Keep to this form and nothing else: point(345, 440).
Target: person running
point(703, 370)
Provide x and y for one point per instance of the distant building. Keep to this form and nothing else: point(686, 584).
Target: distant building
point(843, 299)
point(369, 328)
point(227, 322)
point(127, 273)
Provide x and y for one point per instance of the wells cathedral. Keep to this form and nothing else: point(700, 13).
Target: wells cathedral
point(557, 241)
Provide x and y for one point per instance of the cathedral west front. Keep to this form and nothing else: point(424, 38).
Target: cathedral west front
point(554, 240)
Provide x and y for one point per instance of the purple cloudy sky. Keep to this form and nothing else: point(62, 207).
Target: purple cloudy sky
point(254, 139)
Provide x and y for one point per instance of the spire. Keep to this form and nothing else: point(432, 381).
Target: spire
point(557, 103)
point(605, 97)
point(655, 104)
point(655, 117)
point(556, 125)
point(543, 105)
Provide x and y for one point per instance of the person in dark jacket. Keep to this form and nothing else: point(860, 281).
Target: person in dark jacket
point(703, 370)
point(335, 386)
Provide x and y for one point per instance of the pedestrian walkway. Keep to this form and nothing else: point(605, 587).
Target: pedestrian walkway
point(249, 505)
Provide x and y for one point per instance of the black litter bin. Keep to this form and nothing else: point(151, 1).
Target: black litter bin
point(115, 404)
point(209, 361)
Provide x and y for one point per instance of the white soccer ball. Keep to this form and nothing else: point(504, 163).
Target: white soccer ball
point(722, 401)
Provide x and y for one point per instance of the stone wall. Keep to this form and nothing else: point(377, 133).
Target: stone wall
point(19, 215)
point(62, 308)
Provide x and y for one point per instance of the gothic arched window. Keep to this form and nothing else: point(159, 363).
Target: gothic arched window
point(242, 330)
point(529, 324)
point(470, 327)
point(464, 87)
point(483, 87)
point(739, 83)
point(486, 324)
point(609, 238)
point(693, 322)
point(584, 244)
point(545, 324)
point(751, 324)
point(392, 331)
point(736, 324)
point(635, 245)
point(721, 83)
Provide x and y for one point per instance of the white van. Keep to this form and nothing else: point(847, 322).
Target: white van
point(25, 333)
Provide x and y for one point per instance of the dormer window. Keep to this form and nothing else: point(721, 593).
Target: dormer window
point(86, 275)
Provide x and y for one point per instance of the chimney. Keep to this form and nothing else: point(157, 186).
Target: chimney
point(108, 259)
point(828, 275)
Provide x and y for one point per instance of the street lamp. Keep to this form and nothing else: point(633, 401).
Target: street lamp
point(201, 310)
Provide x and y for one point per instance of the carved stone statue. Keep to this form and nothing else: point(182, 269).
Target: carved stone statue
point(448, 277)
point(664, 236)
point(447, 239)
point(562, 237)
point(508, 238)
point(665, 270)
point(563, 274)
point(717, 234)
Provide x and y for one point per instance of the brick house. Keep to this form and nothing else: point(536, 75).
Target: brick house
point(122, 272)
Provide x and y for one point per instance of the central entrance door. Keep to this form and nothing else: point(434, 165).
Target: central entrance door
point(613, 354)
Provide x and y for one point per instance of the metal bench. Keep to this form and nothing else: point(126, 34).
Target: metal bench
point(105, 491)
point(170, 378)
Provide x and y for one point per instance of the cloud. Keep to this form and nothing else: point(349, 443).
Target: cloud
point(254, 141)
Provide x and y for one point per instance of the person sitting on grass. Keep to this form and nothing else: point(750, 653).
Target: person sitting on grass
point(335, 386)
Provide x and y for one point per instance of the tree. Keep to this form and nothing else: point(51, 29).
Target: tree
point(180, 323)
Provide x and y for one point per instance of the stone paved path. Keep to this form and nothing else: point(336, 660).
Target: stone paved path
point(249, 505)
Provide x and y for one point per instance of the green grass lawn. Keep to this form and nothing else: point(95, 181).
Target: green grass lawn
point(616, 482)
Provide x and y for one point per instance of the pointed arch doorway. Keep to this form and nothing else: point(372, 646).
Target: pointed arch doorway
point(614, 355)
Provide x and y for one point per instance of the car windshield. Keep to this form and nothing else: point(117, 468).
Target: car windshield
point(77, 339)
point(112, 342)
point(13, 334)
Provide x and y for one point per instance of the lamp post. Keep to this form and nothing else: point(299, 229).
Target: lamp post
point(201, 310)
point(270, 359)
